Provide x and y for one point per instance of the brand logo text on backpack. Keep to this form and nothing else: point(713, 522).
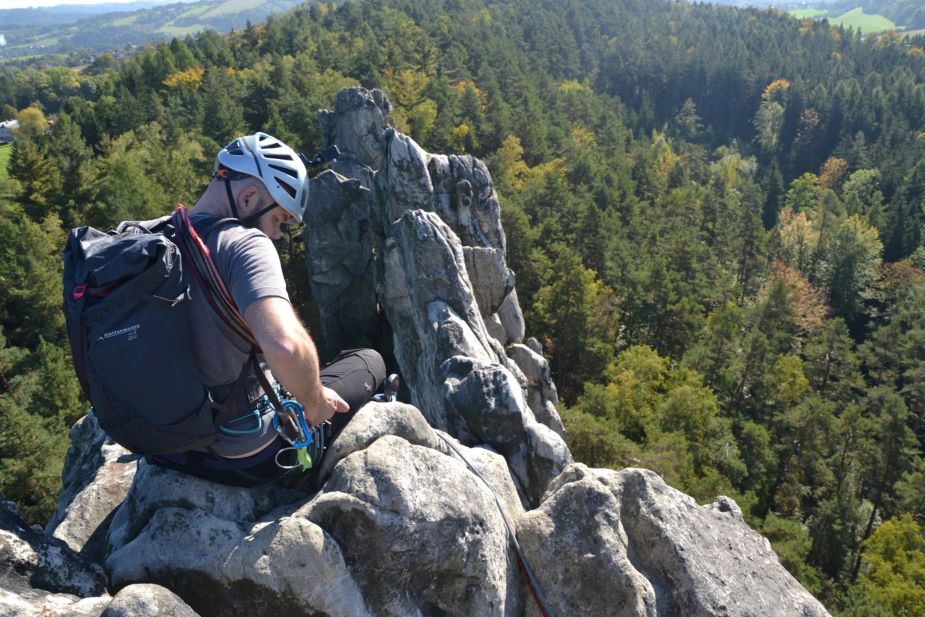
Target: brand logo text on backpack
point(132, 332)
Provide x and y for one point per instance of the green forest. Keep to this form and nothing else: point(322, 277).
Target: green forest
point(715, 216)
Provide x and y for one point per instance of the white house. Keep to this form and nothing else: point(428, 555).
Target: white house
point(6, 130)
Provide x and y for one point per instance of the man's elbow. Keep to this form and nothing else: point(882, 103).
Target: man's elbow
point(287, 347)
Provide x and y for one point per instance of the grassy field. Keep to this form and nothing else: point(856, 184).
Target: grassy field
point(232, 6)
point(180, 31)
point(128, 20)
point(859, 20)
point(804, 13)
point(855, 18)
point(5, 151)
point(228, 7)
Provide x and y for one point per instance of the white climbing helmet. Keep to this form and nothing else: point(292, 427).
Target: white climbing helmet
point(278, 167)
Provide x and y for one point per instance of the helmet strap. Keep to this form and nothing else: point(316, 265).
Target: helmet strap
point(234, 207)
point(253, 218)
point(250, 221)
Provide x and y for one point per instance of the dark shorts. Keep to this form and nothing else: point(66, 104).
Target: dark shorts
point(355, 374)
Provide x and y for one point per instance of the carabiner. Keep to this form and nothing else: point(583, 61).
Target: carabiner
point(296, 415)
point(298, 465)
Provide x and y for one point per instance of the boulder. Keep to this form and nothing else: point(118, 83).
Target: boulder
point(433, 313)
point(145, 600)
point(404, 526)
point(542, 396)
point(391, 507)
point(493, 282)
point(489, 400)
point(96, 478)
point(42, 576)
point(465, 198)
point(654, 550)
point(421, 534)
point(37, 603)
point(511, 319)
point(426, 230)
point(30, 560)
point(357, 125)
point(373, 421)
point(339, 250)
point(228, 550)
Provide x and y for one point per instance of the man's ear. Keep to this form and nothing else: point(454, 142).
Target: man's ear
point(247, 197)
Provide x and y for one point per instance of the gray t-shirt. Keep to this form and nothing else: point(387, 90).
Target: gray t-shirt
point(250, 267)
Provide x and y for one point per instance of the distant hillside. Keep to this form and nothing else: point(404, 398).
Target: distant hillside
point(70, 13)
point(865, 15)
point(101, 27)
point(906, 14)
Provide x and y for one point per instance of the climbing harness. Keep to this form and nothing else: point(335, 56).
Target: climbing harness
point(525, 568)
point(239, 426)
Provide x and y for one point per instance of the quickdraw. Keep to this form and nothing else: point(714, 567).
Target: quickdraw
point(291, 425)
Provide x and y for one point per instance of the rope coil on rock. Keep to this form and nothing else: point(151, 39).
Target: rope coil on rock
point(525, 568)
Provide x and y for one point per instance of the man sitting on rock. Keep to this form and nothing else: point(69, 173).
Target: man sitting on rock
point(264, 184)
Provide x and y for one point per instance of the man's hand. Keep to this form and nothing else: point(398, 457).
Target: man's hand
point(330, 403)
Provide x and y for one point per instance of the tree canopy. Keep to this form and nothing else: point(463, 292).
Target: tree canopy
point(714, 215)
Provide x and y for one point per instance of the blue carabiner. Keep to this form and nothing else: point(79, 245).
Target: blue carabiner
point(296, 410)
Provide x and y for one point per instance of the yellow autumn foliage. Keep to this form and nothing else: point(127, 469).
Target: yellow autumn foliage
point(190, 78)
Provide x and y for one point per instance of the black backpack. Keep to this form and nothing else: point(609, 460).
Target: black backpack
point(126, 302)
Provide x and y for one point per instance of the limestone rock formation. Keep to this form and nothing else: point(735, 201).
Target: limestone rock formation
point(654, 549)
point(412, 510)
point(398, 529)
point(42, 577)
point(423, 232)
point(97, 476)
point(31, 559)
point(145, 600)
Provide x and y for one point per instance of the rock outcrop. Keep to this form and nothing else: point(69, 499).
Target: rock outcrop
point(417, 503)
point(654, 549)
point(41, 576)
point(416, 238)
point(97, 475)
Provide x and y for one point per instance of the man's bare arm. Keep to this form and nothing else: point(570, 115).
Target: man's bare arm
point(292, 356)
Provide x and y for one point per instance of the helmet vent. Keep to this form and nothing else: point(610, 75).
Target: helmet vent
point(287, 188)
point(279, 157)
point(289, 172)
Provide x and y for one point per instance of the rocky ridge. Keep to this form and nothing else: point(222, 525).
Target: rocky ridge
point(405, 252)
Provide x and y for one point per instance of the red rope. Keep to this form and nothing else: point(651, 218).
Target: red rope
point(196, 253)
